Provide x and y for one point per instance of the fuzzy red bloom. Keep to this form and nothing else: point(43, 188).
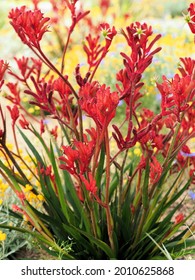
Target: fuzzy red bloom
point(104, 5)
point(99, 103)
point(62, 88)
point(75, 15)
point(155, 171)
point(188, 66)
point(137, 37)
point(21, 196)
point(24, 123)
point(47, 171)
point(23, 67)
point(3, 68)
point(79, 193)
point(192, 174)
point(14, 112)
point(89, 184)
point(80, 80)
point(29, 25)
point(142, 163)
point(15, 93)
point(54, 132)
point(69, 158)
point(79, 156)
point(16, 208)
point(108, 34)
point(190, 18)
point(42, 127)
point(43, 95)
point(85, 150)
point(26, 67)
point(179, 218)
point(93, 50)
point(176, 94)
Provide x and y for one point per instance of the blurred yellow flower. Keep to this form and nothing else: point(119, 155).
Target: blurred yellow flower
point(137, 152)
point(40, 197)
point(2, 236)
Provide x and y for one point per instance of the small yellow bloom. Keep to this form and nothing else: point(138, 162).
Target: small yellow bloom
point(28, 188)
point(25, 99)
point(2, 236)
point(31, 110)
point(1, 201)
point(10, 146)
point(40, 197)
point(139, 119)
point(137, 152)
point(3, 187)
point(30, 177)
point(155, 149)
point(31, 196)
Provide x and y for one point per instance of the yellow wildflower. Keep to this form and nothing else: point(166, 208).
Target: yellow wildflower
point(31, 110)
point(2, 236)
point(28, 188)
point(137, 152)
point(40, 197)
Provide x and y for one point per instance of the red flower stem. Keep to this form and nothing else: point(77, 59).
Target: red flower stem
point(100, 138)
point(116, 155)
point(121, 184)
point(40, 57)
point(96, 153)
point(80, 122)
point(172, 144)
point(43, 57)
point(107, 166)
point(96, 67)
point(131, 108)
point(177, 149)
point(73, 125)
point(48, 62)
point(64, 52)
point(108, 213)
point(15, 139)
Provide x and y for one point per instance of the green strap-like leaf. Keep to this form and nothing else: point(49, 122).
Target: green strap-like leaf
point(58, 180)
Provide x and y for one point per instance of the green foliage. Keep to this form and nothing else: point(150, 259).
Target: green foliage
point(128, 209)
